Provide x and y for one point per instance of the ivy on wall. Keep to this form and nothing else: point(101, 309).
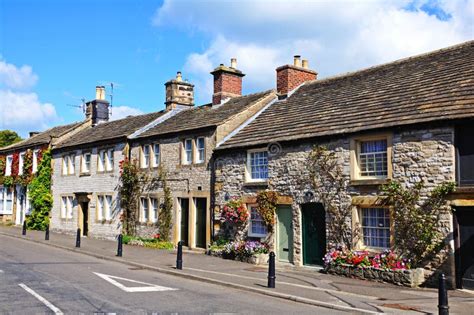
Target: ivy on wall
point(15, 178)
point(165, 216)
point(41, 198)
point(266, 206)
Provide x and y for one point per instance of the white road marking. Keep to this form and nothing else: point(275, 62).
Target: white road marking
point(148, 288)
point(41, 299)
point(1, 271)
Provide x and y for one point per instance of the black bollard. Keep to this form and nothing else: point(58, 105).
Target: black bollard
point(78, 238)
point(179, 258)
point(271, 271)
point(119, 248)
point(46, 233)
point(24, 228)
point(443, 308)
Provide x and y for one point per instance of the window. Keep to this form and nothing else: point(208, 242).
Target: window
point(200, 149)
point(154, 209)
point(66, 207)
point(257, 227)
point(105, 160)
point(1, 199)
point(465, 154)
point(20, 163)
point(156, 155)
point(35, 161)
point(72, 162)
point(144, 210)
point(68, 164)
point(373, 158)
point(376, 227)
point(188, 151)
point(257, 165)
point(104, 207)
point(109, 165)
point(8, 167)
point(145, 156)
point(86, 163)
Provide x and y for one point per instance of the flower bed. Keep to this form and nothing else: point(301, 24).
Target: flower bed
point(154, 242)
point(383, 267)
point(252, 252)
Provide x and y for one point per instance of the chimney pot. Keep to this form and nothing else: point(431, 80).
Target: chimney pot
point(305, 63)
point(179, 76)
point(100, 92)
point(233, 63)
point(297, 61)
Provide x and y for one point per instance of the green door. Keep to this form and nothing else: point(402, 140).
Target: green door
point(284, 234)
point(201, 222)
point(314, 233)
point(184, 202)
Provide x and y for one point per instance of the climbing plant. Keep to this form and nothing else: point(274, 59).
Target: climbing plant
point(330, 186)
point(416, 218)
point(27, 176)
point(266, 206)
point(130, 189)
point(165, 216)
point(41, 198)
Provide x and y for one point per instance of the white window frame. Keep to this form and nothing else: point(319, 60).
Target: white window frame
point(109, 160)
point(101, 161)
point(154, 209)
point(144, 210)
point(389, 228)
point(63, 207)
point(67, 207)
point(21, 159)
point(355, 156)
point(34, 167)
point(104, 207)
point(8, 165)
point(72, 164)
point(64, 164)
point(156, 157)
point(145, 156)
point(188, 152)
point(86, 168)
point(248, 167)
point(250, 233)
point(200, 150)
point(2, 189)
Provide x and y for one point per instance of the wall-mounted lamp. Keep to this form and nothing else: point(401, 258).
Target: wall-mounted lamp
point(309, 194)
point(227, 196)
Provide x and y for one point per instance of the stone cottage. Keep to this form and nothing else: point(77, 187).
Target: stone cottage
point(18, 165)
point(183, 145)
point(410, 120)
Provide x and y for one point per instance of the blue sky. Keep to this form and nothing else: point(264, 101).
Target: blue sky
point(53, 53)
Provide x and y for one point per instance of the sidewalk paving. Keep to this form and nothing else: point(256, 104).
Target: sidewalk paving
point(306, 285)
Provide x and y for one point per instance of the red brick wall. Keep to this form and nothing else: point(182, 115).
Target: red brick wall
point(225, 85)
point(289, 77)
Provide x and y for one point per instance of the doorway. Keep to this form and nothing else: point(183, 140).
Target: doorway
point(284, 233)
point(201, 206)
point(85, 218)
point(184, 224)
point(314, 233)
point(464, 241)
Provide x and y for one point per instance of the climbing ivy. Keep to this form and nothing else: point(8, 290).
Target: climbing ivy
point(41, 198)
point(165, 216)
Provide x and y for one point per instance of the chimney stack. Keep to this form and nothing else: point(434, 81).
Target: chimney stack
point(179, 93)
point(98, 110)
point(291, 76)
point(227, 82)
point(33, 133)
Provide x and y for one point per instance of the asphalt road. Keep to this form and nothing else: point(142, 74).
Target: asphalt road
point(35, 278)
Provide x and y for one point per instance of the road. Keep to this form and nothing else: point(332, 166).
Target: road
point(35, 278)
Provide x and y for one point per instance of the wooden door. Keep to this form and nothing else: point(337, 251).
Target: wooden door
point(184, 237)
point(465, 248)
point(201, 206)
point(314, 233)
point(284, 234)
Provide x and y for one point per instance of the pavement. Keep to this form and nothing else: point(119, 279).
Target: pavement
point(307, 286)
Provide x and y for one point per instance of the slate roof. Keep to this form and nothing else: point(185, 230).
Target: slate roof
point(205, 116)
point(42, 138)
point(109, 131)
point(429, 87)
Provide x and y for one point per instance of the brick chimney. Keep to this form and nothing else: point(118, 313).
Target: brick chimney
point(291, 76)
point(227, 82)
point(98, 110)
point(179, 93)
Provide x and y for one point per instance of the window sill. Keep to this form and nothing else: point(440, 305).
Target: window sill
point(84, 174)
point(105, 172)
point(103, 221)
point(369, 182)
point(257, 184)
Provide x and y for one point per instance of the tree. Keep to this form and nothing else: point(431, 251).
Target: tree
point(8, 137)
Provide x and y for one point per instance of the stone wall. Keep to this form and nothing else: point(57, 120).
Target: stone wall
point(93, 184)
point(417, 154)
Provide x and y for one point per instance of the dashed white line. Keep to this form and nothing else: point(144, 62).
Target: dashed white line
point(41, 299)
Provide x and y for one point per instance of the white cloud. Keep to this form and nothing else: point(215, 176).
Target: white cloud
point(336, 36)
point(16, 78)
point(119, 112)
point(23, 112)
point(20, 109)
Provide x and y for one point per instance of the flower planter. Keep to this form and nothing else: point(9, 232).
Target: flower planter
point(409, 277)
point(257, 259)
